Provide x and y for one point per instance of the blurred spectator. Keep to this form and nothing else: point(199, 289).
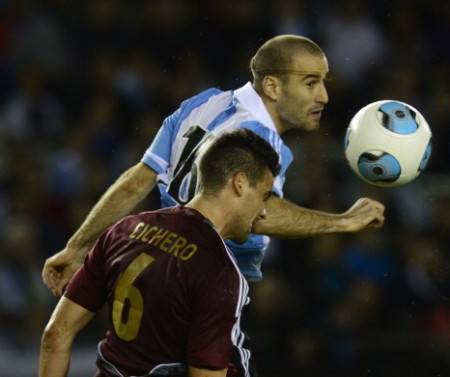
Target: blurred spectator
point(32, 112)
point(353, 41)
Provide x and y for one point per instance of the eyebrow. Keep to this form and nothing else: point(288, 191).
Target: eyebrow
point(295, 71)
point(306, 74)
point(312, 75)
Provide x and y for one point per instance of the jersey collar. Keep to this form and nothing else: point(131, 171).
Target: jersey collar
point(197, 214)
point(250, 99)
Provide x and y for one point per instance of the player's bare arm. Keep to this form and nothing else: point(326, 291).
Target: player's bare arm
point(286, 219)
point(118, 201)
point(66, 321)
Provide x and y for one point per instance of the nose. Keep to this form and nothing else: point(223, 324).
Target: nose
point(322, 95)
point(262, 213)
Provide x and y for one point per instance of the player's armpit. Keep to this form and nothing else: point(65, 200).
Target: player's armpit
point(201, 372)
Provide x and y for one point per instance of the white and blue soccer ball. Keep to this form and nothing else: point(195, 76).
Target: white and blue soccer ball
point(388, 143)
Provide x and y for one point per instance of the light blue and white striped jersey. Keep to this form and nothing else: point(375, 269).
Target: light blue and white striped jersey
point(173, 151)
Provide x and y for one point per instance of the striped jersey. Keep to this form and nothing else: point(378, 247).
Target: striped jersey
point(172, 153)
point(174, 294)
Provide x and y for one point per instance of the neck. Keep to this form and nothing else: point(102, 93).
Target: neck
point(218, 215)
point(271, 109)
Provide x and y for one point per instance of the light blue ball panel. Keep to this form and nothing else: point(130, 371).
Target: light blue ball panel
point(384, 168)
point(426, 157)
point(398, 118)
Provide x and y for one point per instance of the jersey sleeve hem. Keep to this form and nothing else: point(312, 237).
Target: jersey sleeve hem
point(75, 299)
point(154, 162)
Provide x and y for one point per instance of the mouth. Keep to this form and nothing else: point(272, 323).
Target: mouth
point(316, 114)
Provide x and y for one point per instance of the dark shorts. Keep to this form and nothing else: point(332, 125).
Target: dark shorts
point(243, 361)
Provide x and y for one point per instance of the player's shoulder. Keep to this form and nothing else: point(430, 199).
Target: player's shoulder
point(185, 219)
point(211, 245)
point(259, 128)
point(273, 138)
point(199, 99)
point(187, 222)
point(216, 255)
point(262, 130)
point(128, 223)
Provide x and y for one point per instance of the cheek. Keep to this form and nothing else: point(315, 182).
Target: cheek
point(295, 103)
point(257, 210)
point(302, 99)
point(248, 213)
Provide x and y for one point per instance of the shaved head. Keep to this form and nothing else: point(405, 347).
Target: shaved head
point(278, 54)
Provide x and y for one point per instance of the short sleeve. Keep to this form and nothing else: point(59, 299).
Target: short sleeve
point(157, 156)
point(215, 314)
point(88, 287)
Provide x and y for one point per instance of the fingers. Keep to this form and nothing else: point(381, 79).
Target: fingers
point(51, 278)
point(61, 286)
point(378, 222)
point(56, 281)
point(366, 213)
point(375, 214)
point(48, 275)
point(57, 271)
point(371, 204)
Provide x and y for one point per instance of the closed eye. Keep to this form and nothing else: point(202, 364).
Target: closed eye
point(268, 195)
point(312, 83)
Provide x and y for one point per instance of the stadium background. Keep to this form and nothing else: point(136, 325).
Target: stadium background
point(84, 88)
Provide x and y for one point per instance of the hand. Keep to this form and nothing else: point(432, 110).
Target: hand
point(365, 213)
point(59, 268)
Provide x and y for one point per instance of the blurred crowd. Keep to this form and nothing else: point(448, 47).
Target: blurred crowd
point(85, 87)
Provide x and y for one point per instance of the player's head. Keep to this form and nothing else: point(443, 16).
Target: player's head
point(289, 72)
point(243, 166)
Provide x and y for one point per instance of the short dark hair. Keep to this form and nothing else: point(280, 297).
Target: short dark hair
point(277, 54)
point(233, 152)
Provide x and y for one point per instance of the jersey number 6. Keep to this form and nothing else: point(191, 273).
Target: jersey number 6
point(125, 291)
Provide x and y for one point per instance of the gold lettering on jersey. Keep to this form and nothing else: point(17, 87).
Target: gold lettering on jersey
point(137, 230)
point(188, 251)
point(145, 235)
point(160, 234)
point(165, 240)
point(179, 243)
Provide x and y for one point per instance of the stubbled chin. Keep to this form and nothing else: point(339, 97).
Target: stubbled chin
point(313, 126)
point(309, 125)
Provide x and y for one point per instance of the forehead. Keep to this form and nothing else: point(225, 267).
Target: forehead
point(310, 64)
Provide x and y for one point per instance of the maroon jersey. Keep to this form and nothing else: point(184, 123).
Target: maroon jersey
point(173, 290)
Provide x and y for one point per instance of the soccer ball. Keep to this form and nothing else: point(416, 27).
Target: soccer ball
point(388, 143)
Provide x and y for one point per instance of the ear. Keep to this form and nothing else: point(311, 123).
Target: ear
point(271, 87)
point(240, 183)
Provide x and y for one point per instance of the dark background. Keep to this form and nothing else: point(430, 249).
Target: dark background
point(85, 86)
